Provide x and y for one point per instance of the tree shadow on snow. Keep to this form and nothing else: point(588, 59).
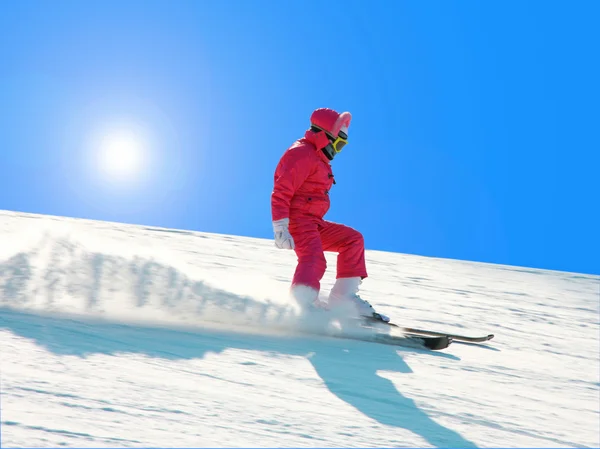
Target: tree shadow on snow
point(348, 368)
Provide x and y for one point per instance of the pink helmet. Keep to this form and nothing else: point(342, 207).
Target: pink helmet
point(331, 121)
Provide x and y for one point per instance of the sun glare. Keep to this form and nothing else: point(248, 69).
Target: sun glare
point(121, 155)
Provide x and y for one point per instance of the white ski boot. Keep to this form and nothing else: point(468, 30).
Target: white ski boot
point(314, 314)
point(345, 292)
point(307, 298)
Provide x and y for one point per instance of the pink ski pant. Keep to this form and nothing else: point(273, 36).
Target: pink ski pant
point(313, 237)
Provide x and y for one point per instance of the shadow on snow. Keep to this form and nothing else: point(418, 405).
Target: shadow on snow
point(348, 368)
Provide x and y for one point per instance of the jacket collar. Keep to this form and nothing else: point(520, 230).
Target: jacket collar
point(320, 141)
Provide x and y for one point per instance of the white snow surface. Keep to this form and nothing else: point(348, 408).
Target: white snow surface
point(116, 335)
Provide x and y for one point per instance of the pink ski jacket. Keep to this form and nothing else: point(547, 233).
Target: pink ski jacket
point(302, 180)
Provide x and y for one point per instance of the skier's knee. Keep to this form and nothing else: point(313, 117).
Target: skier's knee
point(357, 238)
point(320, 266)
point(315, 265)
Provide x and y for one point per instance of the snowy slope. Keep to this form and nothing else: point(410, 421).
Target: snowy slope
point(104, 341)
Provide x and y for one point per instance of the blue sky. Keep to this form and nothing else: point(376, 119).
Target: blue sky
point(474, 133)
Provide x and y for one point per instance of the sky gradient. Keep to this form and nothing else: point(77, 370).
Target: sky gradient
point(474, 133)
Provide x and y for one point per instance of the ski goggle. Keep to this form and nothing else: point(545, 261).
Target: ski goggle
point(340, 142)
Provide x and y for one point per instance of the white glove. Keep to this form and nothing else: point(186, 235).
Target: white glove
point(283, 238)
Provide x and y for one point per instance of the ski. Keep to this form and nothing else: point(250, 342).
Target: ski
point(411, 330)
point(456, 337)
point(434, 343)
point(368, 332)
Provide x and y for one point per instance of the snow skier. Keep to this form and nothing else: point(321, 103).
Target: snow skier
point(300, 200)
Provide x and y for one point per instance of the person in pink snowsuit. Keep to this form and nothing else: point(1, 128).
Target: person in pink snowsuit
point(299, 202)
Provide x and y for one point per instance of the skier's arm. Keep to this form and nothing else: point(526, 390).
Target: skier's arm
point(295, 167)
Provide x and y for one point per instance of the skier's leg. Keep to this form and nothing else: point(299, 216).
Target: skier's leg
point(350, 246)
point(351, 267)
point(312, 264)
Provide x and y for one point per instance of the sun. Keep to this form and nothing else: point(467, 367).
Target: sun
point(121, 155)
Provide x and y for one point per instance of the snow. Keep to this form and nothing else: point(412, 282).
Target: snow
point(115, 335)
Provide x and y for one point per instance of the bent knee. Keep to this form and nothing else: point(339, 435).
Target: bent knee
point(356, 237)
point(310, 270)
point(319, 262)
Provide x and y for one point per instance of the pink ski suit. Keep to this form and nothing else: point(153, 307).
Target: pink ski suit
point(302, 182)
